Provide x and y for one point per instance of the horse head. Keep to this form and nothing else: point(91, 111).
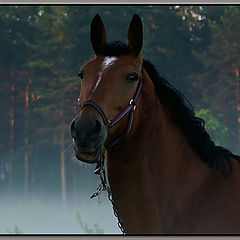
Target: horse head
point(110, 85)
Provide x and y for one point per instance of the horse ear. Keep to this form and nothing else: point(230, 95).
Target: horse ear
point(98, 34)
point(135, 35)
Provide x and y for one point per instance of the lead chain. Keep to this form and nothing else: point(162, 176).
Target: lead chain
point(115, 211)
point(104, 187)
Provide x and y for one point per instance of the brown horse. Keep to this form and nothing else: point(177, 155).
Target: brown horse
point(165, 173)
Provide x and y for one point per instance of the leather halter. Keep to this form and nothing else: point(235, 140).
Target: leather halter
point(129, 109)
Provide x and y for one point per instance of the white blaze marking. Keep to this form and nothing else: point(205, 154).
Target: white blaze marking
point(107, 62)
point(98, 81)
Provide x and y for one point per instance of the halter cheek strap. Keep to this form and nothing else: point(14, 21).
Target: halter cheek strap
point(129, 109)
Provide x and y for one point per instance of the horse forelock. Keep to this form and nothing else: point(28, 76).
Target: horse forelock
point(116, 48)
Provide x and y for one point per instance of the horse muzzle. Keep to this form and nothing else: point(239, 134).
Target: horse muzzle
point(89, 134)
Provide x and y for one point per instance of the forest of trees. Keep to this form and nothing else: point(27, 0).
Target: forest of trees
point(196, 48)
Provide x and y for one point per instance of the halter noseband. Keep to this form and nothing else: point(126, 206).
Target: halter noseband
point(129, 109)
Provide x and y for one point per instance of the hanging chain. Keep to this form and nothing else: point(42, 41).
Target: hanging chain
point(103, 186)
point(115, 211)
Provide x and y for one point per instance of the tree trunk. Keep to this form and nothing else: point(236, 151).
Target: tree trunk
point(12, 127)
point(26, 155)
point(63, 174)
point(238, 101)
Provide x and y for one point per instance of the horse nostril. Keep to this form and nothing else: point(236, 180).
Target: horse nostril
point(73, 130)
point(98, 127)
point(86, 130)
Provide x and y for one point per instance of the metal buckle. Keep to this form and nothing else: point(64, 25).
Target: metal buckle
point(133, 103)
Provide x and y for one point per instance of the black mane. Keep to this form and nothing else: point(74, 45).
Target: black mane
point(193, 127)
point(183, 114)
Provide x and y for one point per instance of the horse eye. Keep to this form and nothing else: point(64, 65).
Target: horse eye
point(132, 77)
point(81, 75)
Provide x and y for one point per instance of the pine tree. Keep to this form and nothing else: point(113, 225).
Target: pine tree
point(219, 82)
point(15, 29)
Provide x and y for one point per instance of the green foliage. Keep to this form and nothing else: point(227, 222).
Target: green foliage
point(218, 80)
point(95, 229)
point(214, 126)
point(223, 51)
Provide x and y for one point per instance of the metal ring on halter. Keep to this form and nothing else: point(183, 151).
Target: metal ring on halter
point(133, 103)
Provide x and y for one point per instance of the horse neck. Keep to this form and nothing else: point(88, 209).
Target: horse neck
point(148, 166)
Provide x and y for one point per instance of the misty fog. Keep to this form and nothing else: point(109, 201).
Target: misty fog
point(45, 213)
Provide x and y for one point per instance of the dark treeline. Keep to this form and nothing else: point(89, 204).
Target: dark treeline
point(196, 48)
